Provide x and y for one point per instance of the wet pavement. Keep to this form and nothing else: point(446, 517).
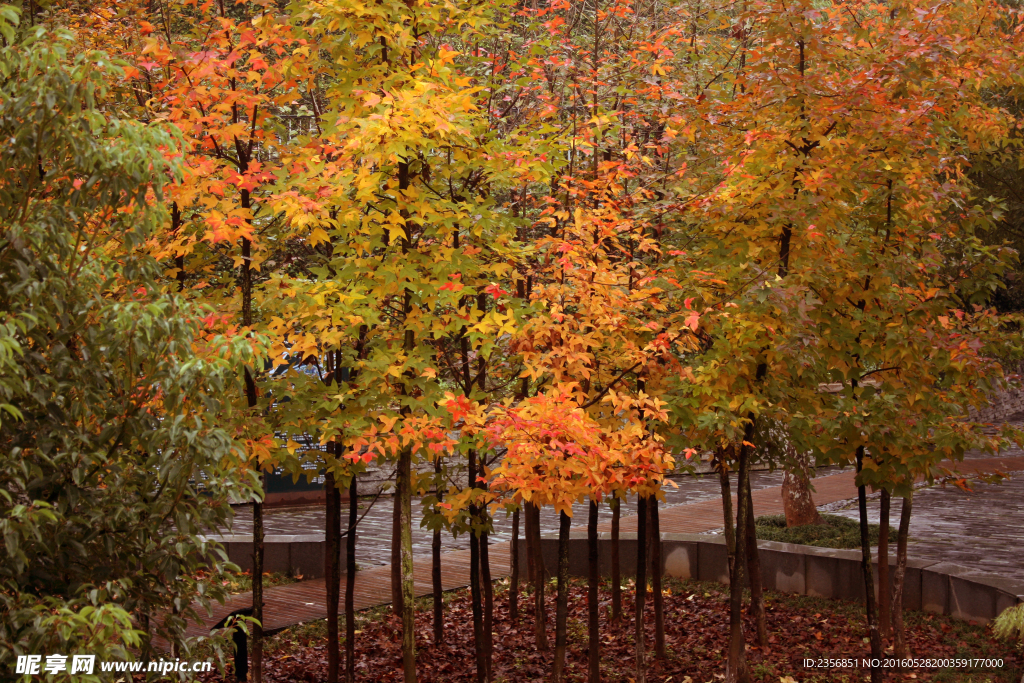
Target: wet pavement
point(374, 544)
point(982, 529)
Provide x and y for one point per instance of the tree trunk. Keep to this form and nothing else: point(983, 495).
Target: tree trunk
point(865, 565)
point(641, 590)
point(256, 651)
point(435, 566)
point(513, 589)
point(730, 532)
point(884, 596)
point(396, 548)
point(438, 589)
point(754, 571)
point(531, 551)
point(179, 260)
point(593, 582)
point(659, 600)
point(797, 501)
point(736, 665)
point(350, 583)
point(562, 596)
point(257, 506)
point(408, 603)
point(332, 569)
point(616, 504)
point(898, 630)
point(513, 592)
point(475, 599)
point(488, 596)
point(474, 578)
point(730, 529)
point(539, 608)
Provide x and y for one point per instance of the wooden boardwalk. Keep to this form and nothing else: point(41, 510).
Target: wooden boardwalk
point(306, 600)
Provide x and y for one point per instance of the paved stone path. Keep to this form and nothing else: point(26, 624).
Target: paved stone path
point(306, 600)
point(374, 546)
point(982, 529)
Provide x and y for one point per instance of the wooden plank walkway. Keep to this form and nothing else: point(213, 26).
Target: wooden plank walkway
point(307, 600)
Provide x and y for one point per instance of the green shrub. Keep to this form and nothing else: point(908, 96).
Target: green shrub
point(116, 457)
point(836, 532)
point(1010, 624)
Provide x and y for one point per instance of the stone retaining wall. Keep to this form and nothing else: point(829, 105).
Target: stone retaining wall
point(1003, 404)
point(938, 587)
point(298, 555)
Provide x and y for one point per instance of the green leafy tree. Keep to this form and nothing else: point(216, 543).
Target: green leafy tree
point(111, 467)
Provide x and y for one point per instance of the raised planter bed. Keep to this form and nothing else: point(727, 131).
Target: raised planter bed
point(938, 587)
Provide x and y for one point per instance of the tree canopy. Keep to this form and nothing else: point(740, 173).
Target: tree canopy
point(523, 254)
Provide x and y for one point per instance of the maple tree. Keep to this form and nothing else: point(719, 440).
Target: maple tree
point(219, 87)
point(585, 433)
point(827, 239)
point(399, 185)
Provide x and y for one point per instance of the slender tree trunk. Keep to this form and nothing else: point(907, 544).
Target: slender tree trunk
point(736, 665)
point(332, 569)
point(435, 578)
point(175, 646)
point(408, 598)
point(884, 594)
point(616, 504)
point(641, 591)
point(488, 596)
point(485, 523)
point(730, 532)
point(256, 650)
point(593, 583)
point(257, 506)
point(396, 548)
point(865, 565)
point(513, 593)
point(562, 597)
point(513, 589)
point(656, 562)
point(899, 580)
point(401, 562)
point(147, 644)
point(531, 551)
point(642, 538)
point(754, 570)
point(474, 591)
point(350, 583)
point(435, 566)
point(539, 608)
point(179, 260)
point(474, 580)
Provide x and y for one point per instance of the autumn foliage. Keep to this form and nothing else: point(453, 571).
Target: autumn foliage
point(527, 255)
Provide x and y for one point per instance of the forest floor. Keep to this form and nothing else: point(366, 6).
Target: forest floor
point(696, 630)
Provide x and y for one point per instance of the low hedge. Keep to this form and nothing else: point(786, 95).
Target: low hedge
point(836, 532)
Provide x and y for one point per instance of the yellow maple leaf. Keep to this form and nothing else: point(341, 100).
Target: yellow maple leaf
point(317, 236)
